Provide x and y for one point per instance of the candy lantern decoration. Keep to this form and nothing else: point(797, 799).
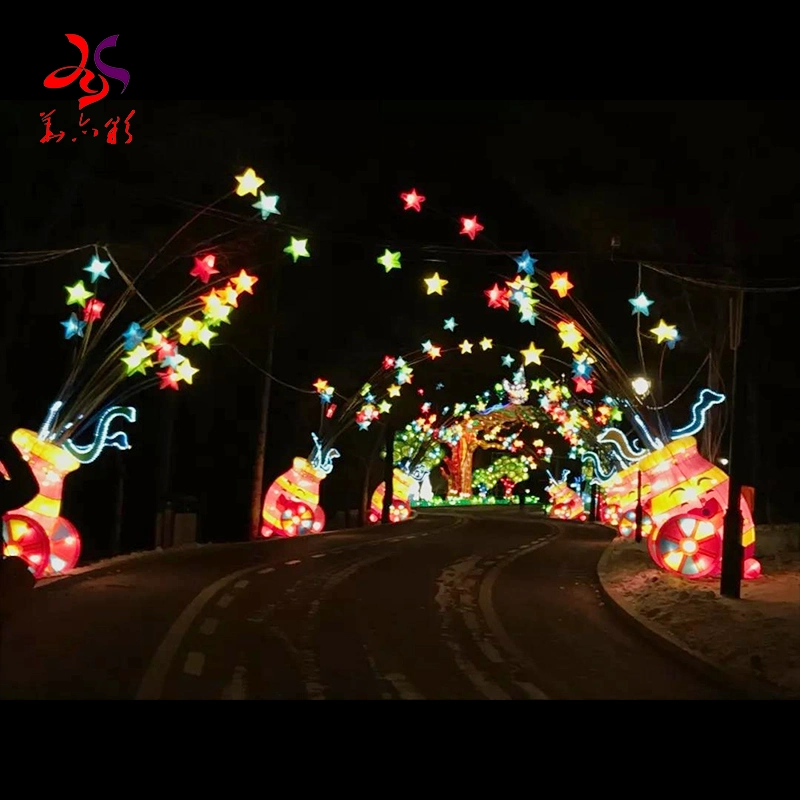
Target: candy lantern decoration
point(627, 525)
point(51, 465)
point(682, 485)
point(291, 505)
point(565, 502)
point(400, 509)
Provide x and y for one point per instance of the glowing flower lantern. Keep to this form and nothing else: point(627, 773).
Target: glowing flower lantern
point(400, 509)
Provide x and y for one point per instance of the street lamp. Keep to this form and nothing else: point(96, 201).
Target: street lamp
point(641, 386)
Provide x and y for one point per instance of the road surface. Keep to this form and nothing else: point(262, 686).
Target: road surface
point(470, 604)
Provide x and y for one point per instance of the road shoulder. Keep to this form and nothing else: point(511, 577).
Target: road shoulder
point(750, 644)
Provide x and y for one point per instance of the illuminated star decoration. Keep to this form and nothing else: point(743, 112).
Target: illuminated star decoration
point(93, 310)
point(244, 282)
point(664, 332)
point(77, 294)
point(412, 200)
point(97, 269)
point(435, 352)
point(641, 304)
point(486, 344)
point(561, 284)
point(525, 263)
point(570, 336)
point(508, 361)
point(450, 324)
point(583, 384)
point(466, 347)
point(297, 249)
point(73, 327)
point(426, 346)
point(249, 183)
point(267, 204)
point(439, 387)
point(533, 355)
point(470, 227)
point(204, 268)
point(435, 284)
point(133, 336)
point(389, 260)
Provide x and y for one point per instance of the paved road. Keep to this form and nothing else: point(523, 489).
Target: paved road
point(457, 604)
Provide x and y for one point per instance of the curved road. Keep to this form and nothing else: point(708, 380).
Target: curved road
point(457, 604)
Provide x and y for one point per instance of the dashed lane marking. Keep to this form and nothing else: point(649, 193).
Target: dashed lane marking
point(266, 571)
point(194, 664)
point(208, 626)
point(241, 584)
point(225, 600)
point(319, 555)
point(293, 563)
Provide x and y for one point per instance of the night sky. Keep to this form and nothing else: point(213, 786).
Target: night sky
point(701, 188)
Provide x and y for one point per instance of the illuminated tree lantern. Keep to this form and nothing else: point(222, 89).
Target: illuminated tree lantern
point(50, 465)
point(291, 505)
point(400, 509)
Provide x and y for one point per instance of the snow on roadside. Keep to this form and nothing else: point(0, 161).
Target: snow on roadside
point(757, 636)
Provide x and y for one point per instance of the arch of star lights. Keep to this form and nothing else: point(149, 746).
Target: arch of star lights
point(684, 495)
point(110, 367)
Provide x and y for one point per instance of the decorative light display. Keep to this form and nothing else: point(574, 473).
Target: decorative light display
point(400, 508)
point(412, 200)
point(49, 543)
point(507, 470)
point(435, 284)
point(565, 502)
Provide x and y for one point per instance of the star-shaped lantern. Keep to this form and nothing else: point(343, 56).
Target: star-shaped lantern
point(664, 332)
point(73, 327)
point(97, 269)
point(486, 344)
point(297, 248)
point(450, 324)
point(465, 347)
point(525, 263)
point(249, 183)
point(570, 336)
point(204, 268)
point(641, 304)
point(267, 204)
point(389, 260)
point(412, 200)
point(435, 284)
point(470, 227)
point(78, 294)
point(561, 284)
point(533, 355)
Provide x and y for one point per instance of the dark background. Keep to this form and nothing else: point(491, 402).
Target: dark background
point(708, 188)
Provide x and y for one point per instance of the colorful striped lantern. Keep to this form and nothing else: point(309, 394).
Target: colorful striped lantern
point(400, 510)
point(291, 504)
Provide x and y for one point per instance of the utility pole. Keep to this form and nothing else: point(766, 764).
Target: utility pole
point(388, 475)
point(639, 513)
point(732, 551)
point(263, 421)
point(116, 537)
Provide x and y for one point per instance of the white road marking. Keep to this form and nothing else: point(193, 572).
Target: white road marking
point(319, 555)
point(293, 563)
point(266, 571)
point(208, 626)
point(225, 600)
point(237, 688)
point(241, 584)
point(445, 599)
point(194, 664)
point(155, 676)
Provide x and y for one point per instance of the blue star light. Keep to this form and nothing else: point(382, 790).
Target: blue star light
point(134, 336)
point(267, 204)
point(73, 327)
point(450, 324)
point(439, 387)
point(508, 361)
point(525, 263)
point(97, 269)
point(426, 346)
point(641, 304)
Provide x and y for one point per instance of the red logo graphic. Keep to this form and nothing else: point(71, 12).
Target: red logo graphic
point(86, 76)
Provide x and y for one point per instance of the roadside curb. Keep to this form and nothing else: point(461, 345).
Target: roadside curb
point(748, 688)
point(118, 561)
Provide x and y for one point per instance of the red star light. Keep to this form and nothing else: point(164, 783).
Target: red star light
point(166, 349)
point(583, 385)
point(388, 362)
point(169, 379)
point(204, 268)
point(93, 310)
point(412, 200)
point(470, 227)
point(498, 298)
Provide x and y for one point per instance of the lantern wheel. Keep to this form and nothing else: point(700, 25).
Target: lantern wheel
point(25, 538)
point(65, 548)
point(297, 519)
point(627, 525)
point(687, 545)
point(399, 511)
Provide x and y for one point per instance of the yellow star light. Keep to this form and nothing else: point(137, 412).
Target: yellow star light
point(533, 355)
point(321, 385)
point(155, 338)
point(219, 314)
point(249, 183)
point(229, 296)
point(78, 294)
point(138, 360)
point(466, 347)
point(435, 352)
point(385, 407)
point(486, 344)
point(212, 302)
point(435, 284)
point(561, 284)
point(205, 335)
point(664, 332)
point(186, 371)
point(394, 390)
point(188, 331)
point(570, 336)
